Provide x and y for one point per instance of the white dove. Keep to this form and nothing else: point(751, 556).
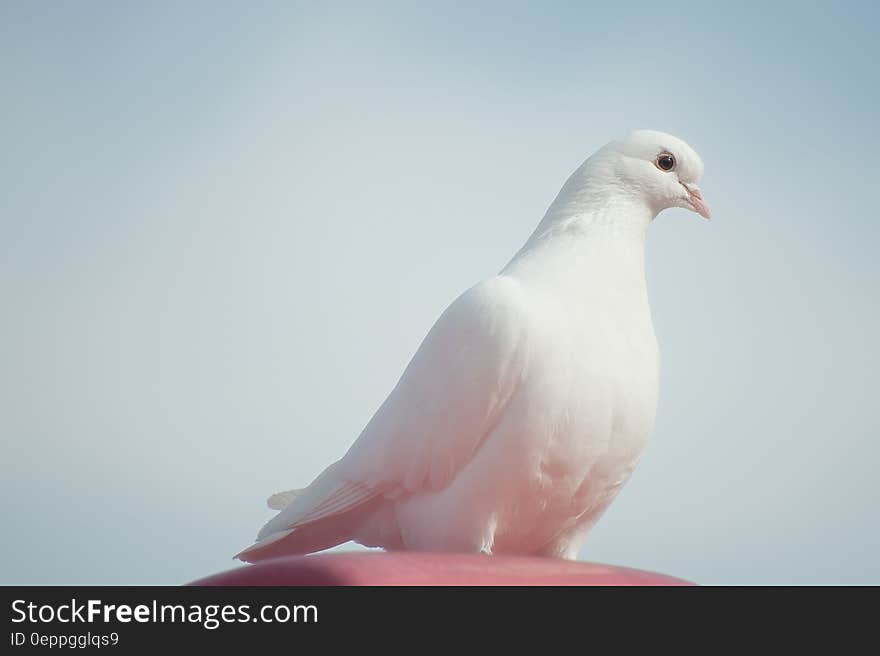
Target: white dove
point(531, 399)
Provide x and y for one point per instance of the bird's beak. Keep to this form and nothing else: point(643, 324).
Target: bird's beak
point(695, 198)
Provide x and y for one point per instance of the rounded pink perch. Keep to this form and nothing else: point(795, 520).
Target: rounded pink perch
point(412, 568)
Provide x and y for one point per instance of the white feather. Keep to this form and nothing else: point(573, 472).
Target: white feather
point(529, 402)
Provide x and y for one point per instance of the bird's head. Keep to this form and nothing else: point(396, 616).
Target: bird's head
point(661, 168)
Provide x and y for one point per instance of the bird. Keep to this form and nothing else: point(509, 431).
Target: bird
point(530, 401)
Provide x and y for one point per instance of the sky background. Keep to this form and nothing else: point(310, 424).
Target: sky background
point(226, 227)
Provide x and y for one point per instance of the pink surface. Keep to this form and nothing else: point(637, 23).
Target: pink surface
point(411, 568)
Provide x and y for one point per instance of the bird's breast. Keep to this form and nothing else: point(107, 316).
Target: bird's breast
point(582, 416)
point(606, 402)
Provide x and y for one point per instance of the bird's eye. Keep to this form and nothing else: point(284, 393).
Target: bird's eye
point(665, 161)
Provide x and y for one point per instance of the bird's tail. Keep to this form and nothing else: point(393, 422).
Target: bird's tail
point(326, 513)
point(307, 538)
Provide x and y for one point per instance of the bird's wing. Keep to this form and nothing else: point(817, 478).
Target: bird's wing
point(448, 399)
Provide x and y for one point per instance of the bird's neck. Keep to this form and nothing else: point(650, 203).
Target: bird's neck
point(587, 242)
point(592, 203)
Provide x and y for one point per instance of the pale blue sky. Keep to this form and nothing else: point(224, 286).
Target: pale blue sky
point(227, 226)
